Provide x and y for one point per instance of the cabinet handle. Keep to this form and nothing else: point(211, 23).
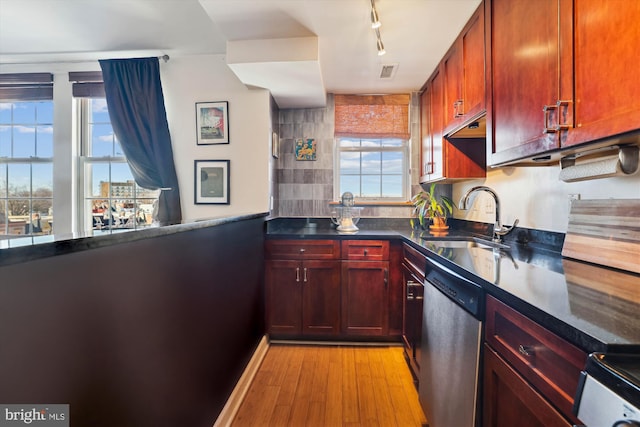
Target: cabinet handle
point(457, 108)
point(386, 277)
point(302, 250)
point(297, 274)
point(305, 274)
point(563, 107)
point(547, 109)
point(526, 351)
point(366, 252)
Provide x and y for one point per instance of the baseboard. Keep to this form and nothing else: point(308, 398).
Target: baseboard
point(230, 409)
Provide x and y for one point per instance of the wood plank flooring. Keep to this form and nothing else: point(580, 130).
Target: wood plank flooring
point(322, 385)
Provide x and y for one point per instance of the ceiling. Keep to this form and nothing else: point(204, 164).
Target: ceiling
point(337, 55)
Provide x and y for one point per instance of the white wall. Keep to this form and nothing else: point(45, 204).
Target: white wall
point(537, 197)
point(190, 79)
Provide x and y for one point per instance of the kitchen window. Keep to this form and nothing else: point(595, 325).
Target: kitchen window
point(26, 153)
point(372, 147)
point(372, 169)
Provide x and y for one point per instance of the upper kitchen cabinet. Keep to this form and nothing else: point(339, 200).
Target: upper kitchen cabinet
point(464, 75)
point(607, 93)
point(529, 51)
point(454, 96)
point(560, 77)
point(445, 159)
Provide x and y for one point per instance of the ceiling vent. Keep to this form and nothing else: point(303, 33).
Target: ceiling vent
point(388, 71)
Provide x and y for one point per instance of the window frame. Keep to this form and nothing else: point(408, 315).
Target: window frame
point(19, 96)
point(86, 160)
point(404, 149)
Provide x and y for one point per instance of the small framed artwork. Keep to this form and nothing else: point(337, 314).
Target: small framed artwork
point(275, 145)
point(305, 149)
point(212, 122)
point(212, 182)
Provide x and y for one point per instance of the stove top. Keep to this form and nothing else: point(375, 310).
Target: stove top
point(609, 391)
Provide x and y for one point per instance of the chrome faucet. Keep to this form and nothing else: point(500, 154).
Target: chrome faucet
point(498, 229)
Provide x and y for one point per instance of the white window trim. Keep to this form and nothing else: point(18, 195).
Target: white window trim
point(406, 167)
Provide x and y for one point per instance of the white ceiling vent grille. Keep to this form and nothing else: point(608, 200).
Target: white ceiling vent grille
point(388, 71)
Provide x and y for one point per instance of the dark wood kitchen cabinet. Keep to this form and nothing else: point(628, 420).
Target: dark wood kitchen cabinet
point(607, 94)
point(560, 75)
point(444, 159)
point(365, 287)
point(333, 288)
point(527, 366)
point(303, 287)
point(510, 401)
point(414, 266)
point(464, 75)
point(303, 297)
point(530, 63)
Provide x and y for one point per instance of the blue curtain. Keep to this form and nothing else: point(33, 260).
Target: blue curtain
point(139, 119)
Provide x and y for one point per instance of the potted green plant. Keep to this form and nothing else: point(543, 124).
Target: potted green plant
point(428, 206)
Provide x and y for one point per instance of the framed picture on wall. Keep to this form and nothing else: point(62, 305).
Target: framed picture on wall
point(212, 122)
point(275, 145)
point(211, 182)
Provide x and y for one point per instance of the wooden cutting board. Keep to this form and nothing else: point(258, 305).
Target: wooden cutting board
point(605, 232)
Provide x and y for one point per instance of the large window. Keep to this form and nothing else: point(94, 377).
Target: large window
point(26, 167)
point(372, 147)
point(373, 169)
point(112, 200)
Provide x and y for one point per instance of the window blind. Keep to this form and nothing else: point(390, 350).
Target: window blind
point(26, 87)
point(87, 84)
point(372, 116)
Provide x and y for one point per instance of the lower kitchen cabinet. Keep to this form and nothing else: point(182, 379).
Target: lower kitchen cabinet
point(536, 360)
point(365, 297)
point(303, 297)
point(339, 289)
point(510, 401)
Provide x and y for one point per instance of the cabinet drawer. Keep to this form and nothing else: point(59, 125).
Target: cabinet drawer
point(416, 261)
point(365, 250)
point(302, 249)
point(548, 362)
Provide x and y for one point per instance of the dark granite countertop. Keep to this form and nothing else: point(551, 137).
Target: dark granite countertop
point(26, 248)
point(594, 307)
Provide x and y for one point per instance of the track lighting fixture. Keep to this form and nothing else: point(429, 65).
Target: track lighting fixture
point(375, 24)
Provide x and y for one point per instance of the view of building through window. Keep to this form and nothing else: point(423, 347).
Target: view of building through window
point(26, 167)
point(112, 199)
point(372, 168)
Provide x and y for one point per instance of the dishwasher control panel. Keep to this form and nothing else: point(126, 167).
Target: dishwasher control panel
point(462, 291)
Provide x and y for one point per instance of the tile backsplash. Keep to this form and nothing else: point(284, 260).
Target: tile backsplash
point(305, 188)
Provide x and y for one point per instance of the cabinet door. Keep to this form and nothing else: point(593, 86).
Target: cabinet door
point(510, 401)
point(426, 145)
point(464, 73)
point(529, 49)
point(284, 296)
point(607, 98)
point(321, 297)
point(365, 297)
point(436, 121)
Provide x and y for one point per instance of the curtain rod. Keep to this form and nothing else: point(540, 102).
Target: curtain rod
point(165, 58)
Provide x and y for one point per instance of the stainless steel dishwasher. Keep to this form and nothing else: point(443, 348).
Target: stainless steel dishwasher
point(451, 340)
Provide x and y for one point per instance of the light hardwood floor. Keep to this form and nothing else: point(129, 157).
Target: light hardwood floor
point(319, 385)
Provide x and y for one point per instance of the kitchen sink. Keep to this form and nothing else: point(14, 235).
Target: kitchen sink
point(464, 242)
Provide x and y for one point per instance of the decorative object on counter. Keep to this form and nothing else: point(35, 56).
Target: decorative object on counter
point(305, 149)
point(275, 145)
point(212, 122)
point(428, 206)
point(347, 215)
point(211, 182)
point(498, 229)
point(605, 232)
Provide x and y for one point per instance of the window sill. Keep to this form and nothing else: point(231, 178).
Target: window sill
point(374, 203)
